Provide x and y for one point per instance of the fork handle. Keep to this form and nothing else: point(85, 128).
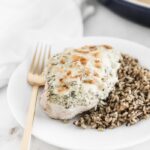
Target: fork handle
point(29, 122)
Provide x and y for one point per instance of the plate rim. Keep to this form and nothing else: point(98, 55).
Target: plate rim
point(57, 143)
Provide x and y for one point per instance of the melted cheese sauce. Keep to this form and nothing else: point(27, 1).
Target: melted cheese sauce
point(81, 76)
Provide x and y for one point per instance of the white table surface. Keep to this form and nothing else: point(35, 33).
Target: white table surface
point(103, 23)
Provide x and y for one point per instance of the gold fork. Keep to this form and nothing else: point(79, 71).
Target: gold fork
point(35, 79)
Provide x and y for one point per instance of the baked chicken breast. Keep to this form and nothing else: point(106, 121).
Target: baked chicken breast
point(78, 79)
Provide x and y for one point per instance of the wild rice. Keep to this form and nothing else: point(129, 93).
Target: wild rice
point(127, 104)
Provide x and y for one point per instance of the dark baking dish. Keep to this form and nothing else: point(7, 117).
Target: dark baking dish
point(132, 11)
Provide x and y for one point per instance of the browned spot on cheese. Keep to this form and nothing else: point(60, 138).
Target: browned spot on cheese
point(74, 64)
point(79, 58)
point(82, 51)
point(96, 74)
point(96, 54)
point(107, 46)
point(61, 80)
point(83, 61)
point(62, 61)
point(62, 88)
point(92, 48)
point(75, 58)
point(69, 72)
point(97, 65)
point(87, 71)
point(97, 61)
point(89, 81)
point(77, 76)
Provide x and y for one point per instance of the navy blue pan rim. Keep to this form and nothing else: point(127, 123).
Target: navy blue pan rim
point(135, 12)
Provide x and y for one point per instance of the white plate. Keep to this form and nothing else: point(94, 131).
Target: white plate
point(67, 135)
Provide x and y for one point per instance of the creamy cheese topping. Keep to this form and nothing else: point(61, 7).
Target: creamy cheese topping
point(80, 76)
